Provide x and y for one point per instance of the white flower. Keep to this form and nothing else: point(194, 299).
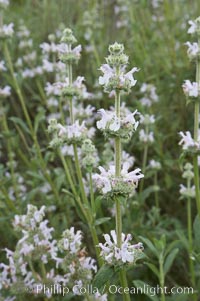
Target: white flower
point(187, 192)
point(75, 130)
point(23, 32)
point(105, 118)
point(122, 23)
point(39, 214)
point(108, 72)
point(88, 263)
point(28, 73)
point(146, 137)
point(47, 48)
point(130, 118)
point(147, 119)
point(26, 249)
point(188, 142)
point(131, 177)
point(154, 164)
point(102, 181)
point(7, 30)
point(72, 240)
point(30, 57)
point(99, 297)
point(64, 49)
point(52, 89)
point(4, 3)
point(5, 92)
point(129, 76)
point(115, 125)
point(38, 70)
point(25, 44)
point(112, 254)
point(107, 182)
point(190, 89)
point(193, 50)
point(47, 66)
point(2, 66)
point(193, 27)
point(150, 94)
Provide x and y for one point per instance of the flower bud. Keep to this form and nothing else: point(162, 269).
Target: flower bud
point(68, 37)
point(116, 48)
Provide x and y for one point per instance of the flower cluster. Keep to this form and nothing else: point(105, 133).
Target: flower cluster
point(118, 256)
point(90, 157)
point(120, 10)
point(115, 77)
point(188, 143)
point(194, 26)
point(4, 4)
point(28, 265)
point(145, 135)
point(77, 88)
point(150, 95)
point(189, 191)
point(69, 134)
point(113, 126)
point(191, 90)
point(193, 50)
point(110, 185)
point(65, 50)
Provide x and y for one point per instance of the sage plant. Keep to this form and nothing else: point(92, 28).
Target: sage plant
point(40, 263)
point(191, 90)
point(188, 193)
point(75, 133)
point(117, 182)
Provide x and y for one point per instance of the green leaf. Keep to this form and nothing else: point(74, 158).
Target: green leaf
point(68, 193)
point(35, 175)
point(39, 117)
point(150, 245)
point(20, 122)
point(169, 260)
point(102, 220)
point(172, 246)
point(103, 275)
point(142, 285)
point(196, 227)
point(182, 238)
point(146, 193)
point(153, 268)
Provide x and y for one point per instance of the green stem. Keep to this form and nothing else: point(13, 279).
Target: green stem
point(41, 91)
point(92, 195)
point(156, 192)
point(16, 86)
point(80, 177)
point(84, 210)
point(118, 150)
point(118, 222)
point(144, 163)
point(124, 283)
point(85, 205)
point(190, 240)
point(71, 114)
point(9, 147)
point(73, 188)
point(118, 172)
point(162, 279)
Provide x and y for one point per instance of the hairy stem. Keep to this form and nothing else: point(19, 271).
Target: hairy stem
point(118, 220)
